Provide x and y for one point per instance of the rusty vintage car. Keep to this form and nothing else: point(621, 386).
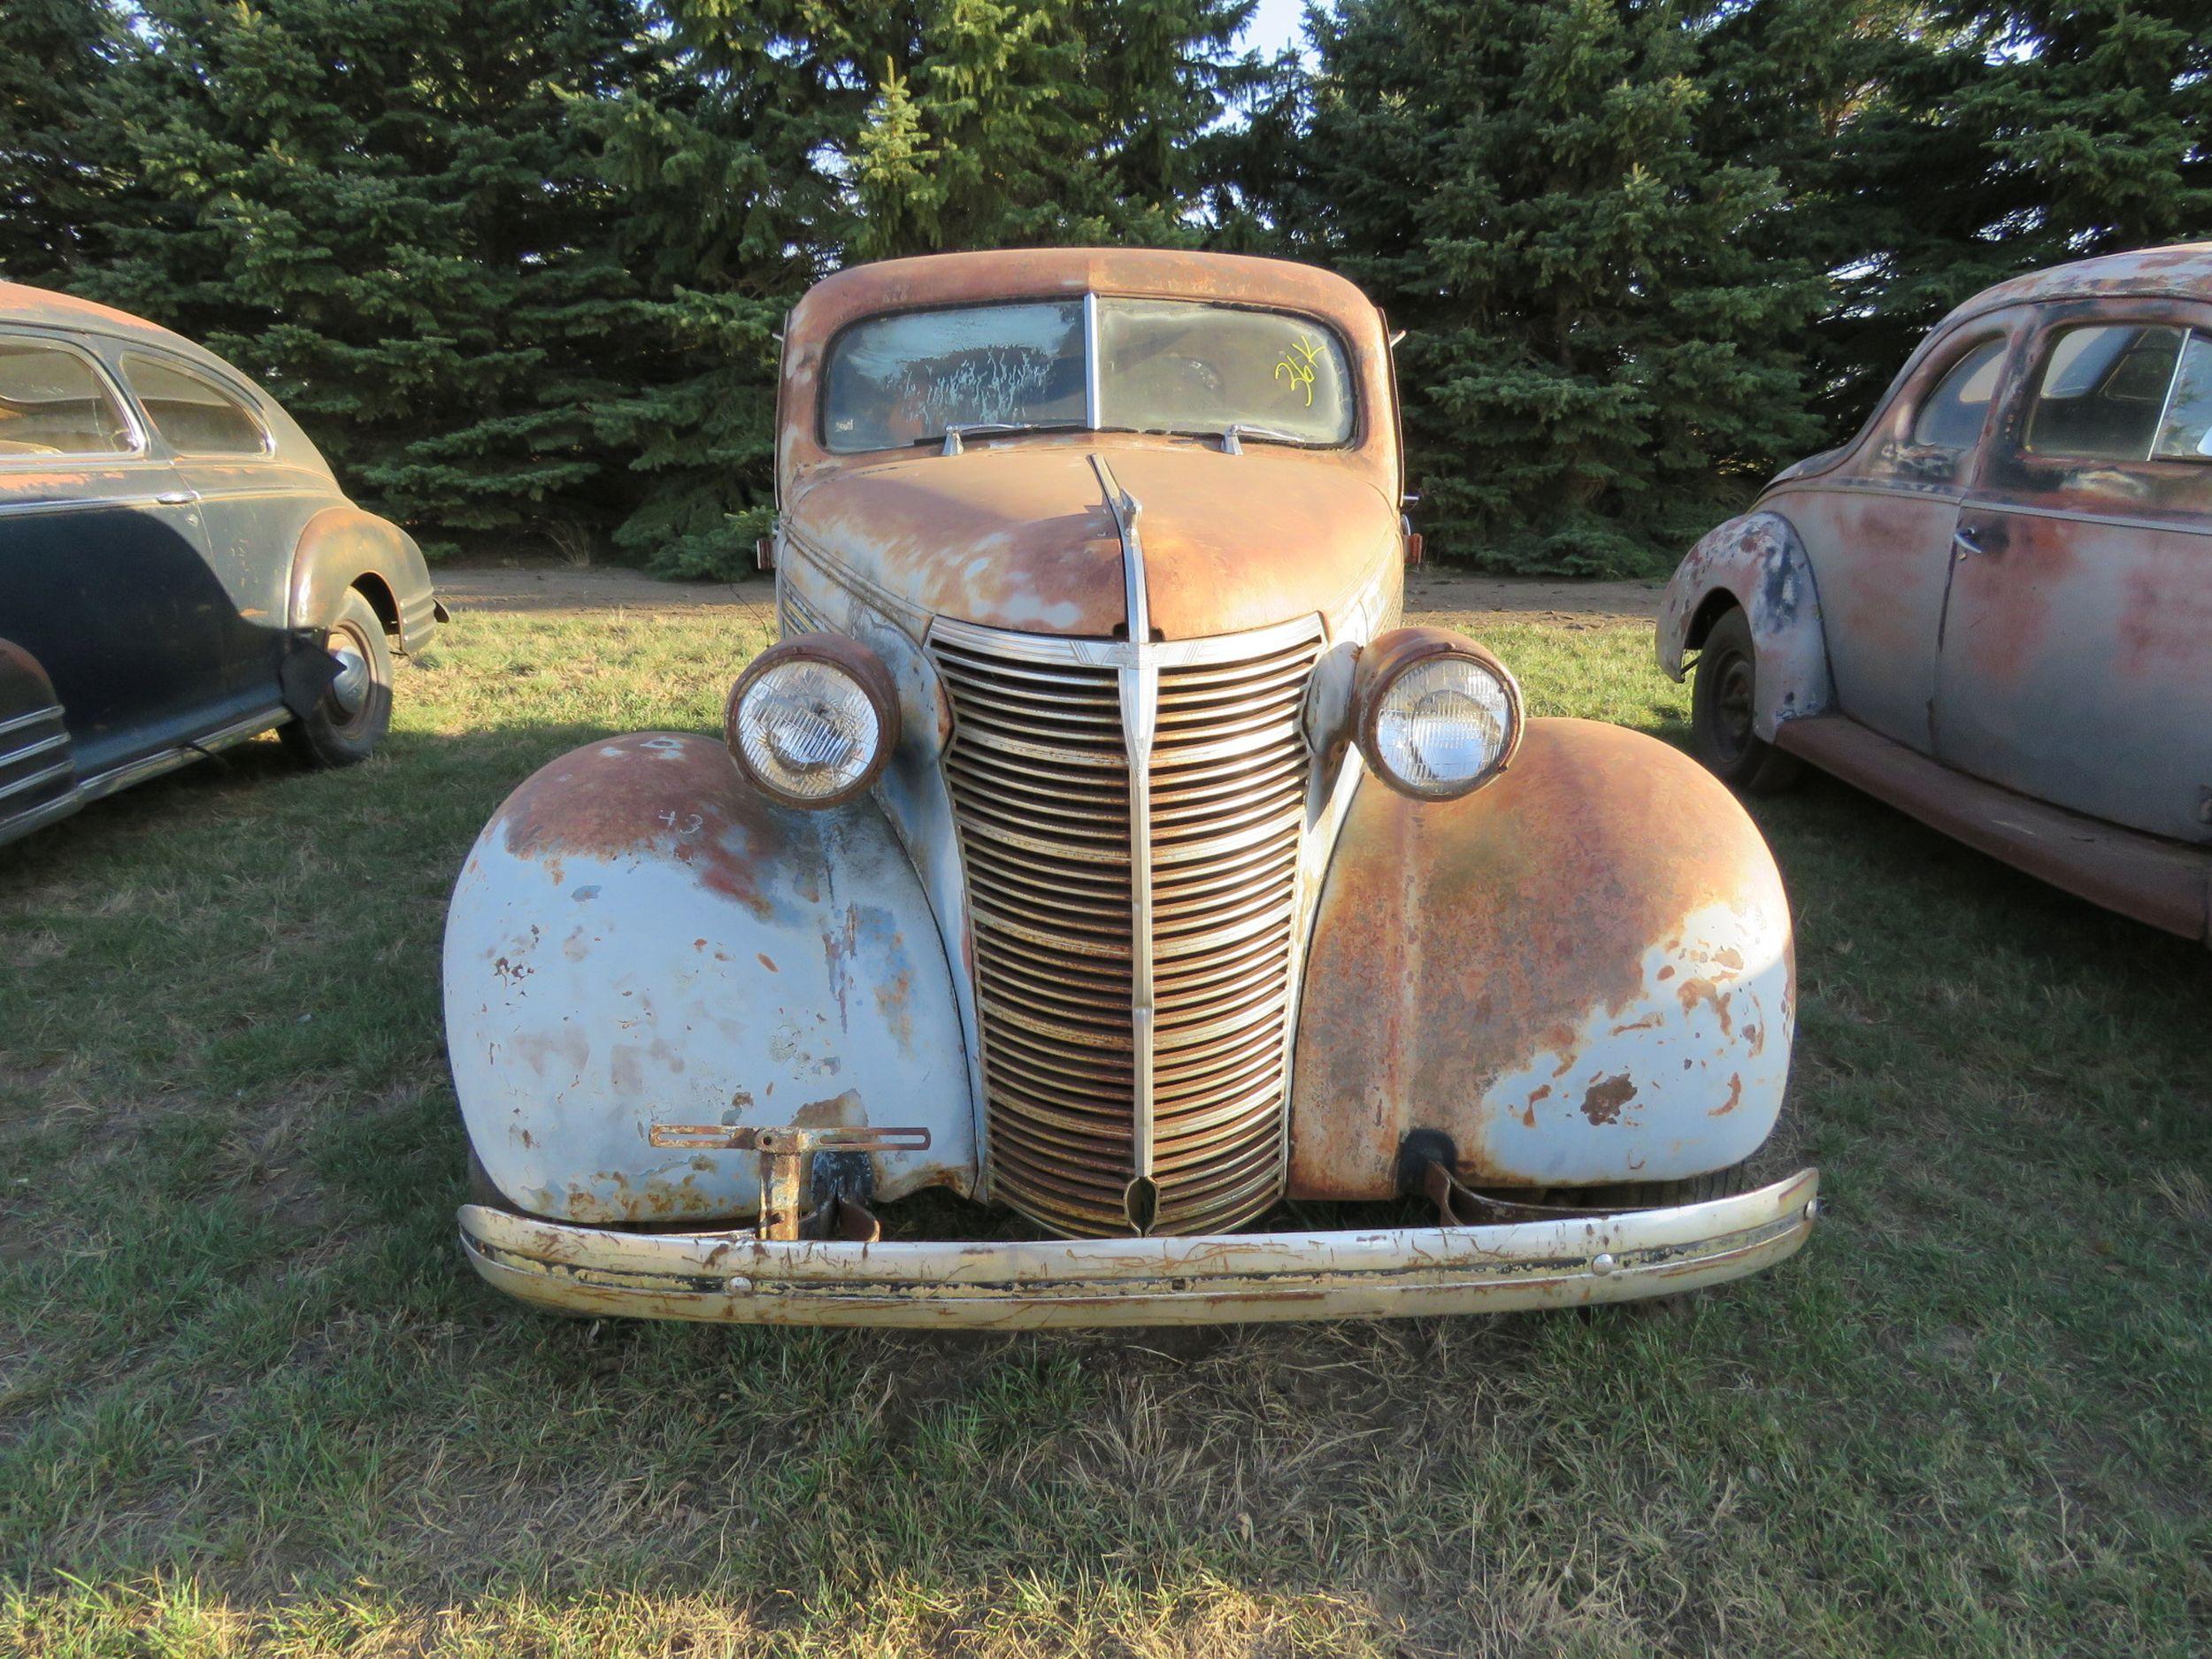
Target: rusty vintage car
point(1990, 607)
point(179, 570)
point(1098, 846)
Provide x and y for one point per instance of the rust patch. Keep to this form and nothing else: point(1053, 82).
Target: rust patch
point(1602, 1104)
point(1692, 991)
point(840, 1111)
point(1454, 949)
point(655, 793)
point(1735, 1096)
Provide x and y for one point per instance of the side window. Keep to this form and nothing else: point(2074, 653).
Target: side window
point(53, 402)
point(2104, 392)
point(2185, 433)
point(196, 416)
point(1951, 416)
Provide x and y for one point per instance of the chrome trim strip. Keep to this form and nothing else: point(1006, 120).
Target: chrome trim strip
point(59, 740)
point(1049, 649)
point(136, 772)
point(2114, 520)
point(81, 504)
point(1094, 394)
point(60, 769)
point(51, 712)
point(1140, 722)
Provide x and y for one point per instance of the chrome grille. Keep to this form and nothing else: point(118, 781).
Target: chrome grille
point(1038, 774)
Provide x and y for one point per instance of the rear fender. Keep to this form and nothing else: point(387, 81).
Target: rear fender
point(1757, 564)
point(343, 547)
point(1581, 974)
point(639, 937)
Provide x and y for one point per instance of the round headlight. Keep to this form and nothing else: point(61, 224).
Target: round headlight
point(1436, 716)
point(812, 721)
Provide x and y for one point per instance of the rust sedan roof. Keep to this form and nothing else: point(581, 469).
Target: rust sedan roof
point(2183, 270)
point(1024, 272)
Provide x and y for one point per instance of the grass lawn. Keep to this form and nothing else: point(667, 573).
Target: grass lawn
point(252, 1400)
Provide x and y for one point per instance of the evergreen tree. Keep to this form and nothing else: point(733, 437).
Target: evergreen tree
point(1605, 309)
point(730, 213)
point(56, 189)
point(784, 138)
point(950, 124)
point(2010, 137)
point(382, 209)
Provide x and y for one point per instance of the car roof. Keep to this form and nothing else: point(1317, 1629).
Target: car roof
point(2183, 270)
point(953, 279)
point(43, 308)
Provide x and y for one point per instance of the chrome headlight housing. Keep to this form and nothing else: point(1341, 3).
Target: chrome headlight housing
point(1434, 714)
point(811, 722)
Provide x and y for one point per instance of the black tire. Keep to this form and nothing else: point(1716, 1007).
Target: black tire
point(1721, 704)
point(346, 726)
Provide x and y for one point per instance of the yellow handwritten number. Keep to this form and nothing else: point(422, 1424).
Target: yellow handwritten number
point(1297, 365)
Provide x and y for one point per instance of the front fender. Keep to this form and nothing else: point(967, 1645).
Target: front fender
point(637, 936)
point(1582, 974)
point(1756, 562)
point(341, 546)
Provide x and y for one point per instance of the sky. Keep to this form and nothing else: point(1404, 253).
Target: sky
point(1274, 25)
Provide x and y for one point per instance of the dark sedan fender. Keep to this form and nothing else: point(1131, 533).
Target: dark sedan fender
point(345, 547)
point(1582, 974)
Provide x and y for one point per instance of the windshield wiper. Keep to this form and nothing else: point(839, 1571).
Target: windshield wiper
point(1233, 435)
point(954, 434)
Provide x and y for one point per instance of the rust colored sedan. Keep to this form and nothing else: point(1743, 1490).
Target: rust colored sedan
point(1097, 846)
point(1991, 607)
point(179, 570)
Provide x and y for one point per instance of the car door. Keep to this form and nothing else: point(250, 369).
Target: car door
point(99, 545)
point(1878, 529)
point(251, 506)
point(2076, 662)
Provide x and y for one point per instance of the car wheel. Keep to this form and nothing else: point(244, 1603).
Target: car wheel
point(351, 716)
point(1722, 702)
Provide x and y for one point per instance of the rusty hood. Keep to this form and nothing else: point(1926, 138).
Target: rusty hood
point(1020, 536)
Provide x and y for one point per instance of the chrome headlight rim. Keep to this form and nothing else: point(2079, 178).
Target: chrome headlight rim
point(846, 656)
point(1387, 659)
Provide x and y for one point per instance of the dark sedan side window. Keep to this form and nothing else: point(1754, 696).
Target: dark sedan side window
point(52, 402)
point(196, 416)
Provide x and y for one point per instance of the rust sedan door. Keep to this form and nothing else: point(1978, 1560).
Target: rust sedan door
point(1878, 529)
point(2076, 660)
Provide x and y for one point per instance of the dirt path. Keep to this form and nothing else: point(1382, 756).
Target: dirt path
point(1464, 596)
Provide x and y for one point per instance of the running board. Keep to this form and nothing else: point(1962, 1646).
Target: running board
point(2166, 884)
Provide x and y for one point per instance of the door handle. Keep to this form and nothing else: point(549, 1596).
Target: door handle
point(1964, 542)
point(176, 497)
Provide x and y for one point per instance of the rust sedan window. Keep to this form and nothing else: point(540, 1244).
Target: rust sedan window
point(2103, 392)
point(53, 402)
point(2185, 432)
point(1166, 365)
point(905, 378)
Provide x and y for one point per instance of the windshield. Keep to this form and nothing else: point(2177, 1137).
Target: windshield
point(1162, 365)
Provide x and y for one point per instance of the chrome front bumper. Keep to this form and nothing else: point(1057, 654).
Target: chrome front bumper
point(1344, 1275)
